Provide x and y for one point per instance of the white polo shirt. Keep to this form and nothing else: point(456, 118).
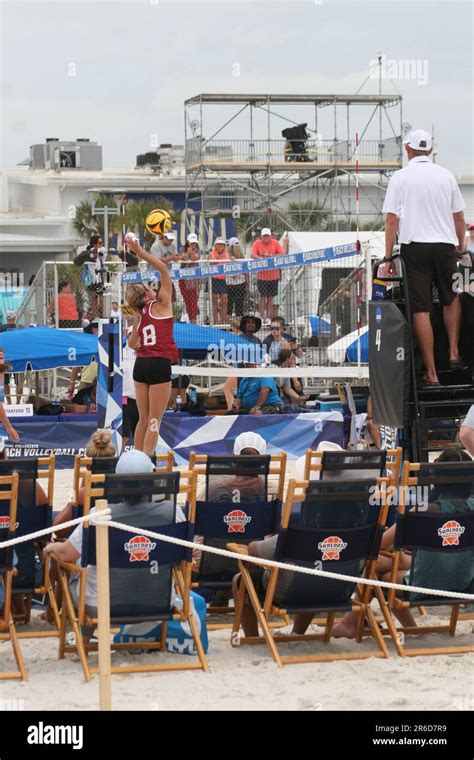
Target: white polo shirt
point(424, 196)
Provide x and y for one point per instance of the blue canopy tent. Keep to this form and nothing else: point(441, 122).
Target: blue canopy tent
point(196, 341)
point(352, 352)
point(46, 348)
point(319, 326)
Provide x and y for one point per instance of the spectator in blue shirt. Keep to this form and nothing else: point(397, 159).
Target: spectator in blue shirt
point(257, 395)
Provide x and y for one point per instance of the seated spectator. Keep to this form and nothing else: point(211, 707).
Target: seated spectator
point(276, 342)
point(86, 392)
point(454, 572)
point(466, 432)
point(291, 388)
point(11, 321)
point(257, 395)
point(267, 342)
point(250, 325)
point(266, 550)
point(248, 488)
point(67, 310)
point(23, 551)
point(99, 445)
point(132, 511)
point(179, 387)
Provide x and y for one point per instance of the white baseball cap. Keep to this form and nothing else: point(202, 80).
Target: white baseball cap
point(234, 241)
point(250, 441)
point(265, 231)
point(220, 240)
point(192, 238)
point(170, 235)
point(419, 140)
point(11, 314)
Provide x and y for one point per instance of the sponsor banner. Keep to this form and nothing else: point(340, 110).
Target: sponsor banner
point(182, 433)
point(18, 410)
point(244, 266)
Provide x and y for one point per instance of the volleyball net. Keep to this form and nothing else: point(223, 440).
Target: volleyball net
point(319, 298)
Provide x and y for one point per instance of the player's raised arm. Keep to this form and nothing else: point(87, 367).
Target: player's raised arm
point(166, 284)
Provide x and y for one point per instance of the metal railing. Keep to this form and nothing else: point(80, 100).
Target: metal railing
point(279, 151)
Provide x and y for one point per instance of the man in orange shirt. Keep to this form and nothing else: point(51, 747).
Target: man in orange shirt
point(267, 282)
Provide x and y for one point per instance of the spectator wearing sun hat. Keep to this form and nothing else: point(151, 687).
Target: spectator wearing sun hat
point(219, 254)
point(424, 206)
point(267, 282)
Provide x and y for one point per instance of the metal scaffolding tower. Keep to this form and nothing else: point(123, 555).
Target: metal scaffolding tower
point(303, 179)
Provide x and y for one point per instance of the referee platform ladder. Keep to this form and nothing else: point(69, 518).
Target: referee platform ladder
point(432, 414)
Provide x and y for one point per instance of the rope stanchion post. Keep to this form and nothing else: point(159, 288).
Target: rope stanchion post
point(103, 609)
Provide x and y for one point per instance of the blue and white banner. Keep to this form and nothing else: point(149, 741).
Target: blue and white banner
point(245, 266)
point(293, 433)
point(109, 382)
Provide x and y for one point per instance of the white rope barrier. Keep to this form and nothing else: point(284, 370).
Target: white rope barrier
point(104, 518)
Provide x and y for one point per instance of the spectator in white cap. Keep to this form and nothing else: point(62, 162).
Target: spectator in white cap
point(239, 488)
point(267, 281)
point(424, 207)
point(237, 284)
point(133, 510)
point(218, 255)
point(190, 255)
point(164, 248)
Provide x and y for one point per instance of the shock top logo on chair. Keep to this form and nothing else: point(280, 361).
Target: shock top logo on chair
point(450, 532)
point(236, 521)
point(139, 548)
point(332, 547)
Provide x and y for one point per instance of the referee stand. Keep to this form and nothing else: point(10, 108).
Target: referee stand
point(428, 417)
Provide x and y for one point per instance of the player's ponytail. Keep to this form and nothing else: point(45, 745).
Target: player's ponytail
point(134, 302)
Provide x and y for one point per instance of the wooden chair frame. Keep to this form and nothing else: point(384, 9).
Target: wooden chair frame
point(296, 493)
point(7, 623)
point(78, 618)
point(48, 464)
point(313, 463)
point(197, 464)
point(394, 601)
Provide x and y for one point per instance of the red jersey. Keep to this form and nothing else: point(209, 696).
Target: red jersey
point(156, 336)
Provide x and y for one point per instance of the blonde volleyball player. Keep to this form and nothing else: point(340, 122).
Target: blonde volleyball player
point(151, 315)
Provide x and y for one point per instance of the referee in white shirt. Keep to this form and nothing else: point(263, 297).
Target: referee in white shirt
point(424, 206)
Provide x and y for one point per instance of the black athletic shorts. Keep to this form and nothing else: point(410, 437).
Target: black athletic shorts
point(268, 288)
point(427, 264)
point(129, 418)
point(152, 370)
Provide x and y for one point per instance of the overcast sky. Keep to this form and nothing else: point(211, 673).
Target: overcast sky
point(119, 72)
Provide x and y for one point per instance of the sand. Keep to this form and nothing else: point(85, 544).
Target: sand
point(246, 677)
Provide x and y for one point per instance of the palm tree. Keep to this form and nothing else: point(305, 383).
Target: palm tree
point(87, 224)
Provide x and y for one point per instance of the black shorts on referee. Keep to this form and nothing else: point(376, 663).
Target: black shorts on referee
point(427, 264)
